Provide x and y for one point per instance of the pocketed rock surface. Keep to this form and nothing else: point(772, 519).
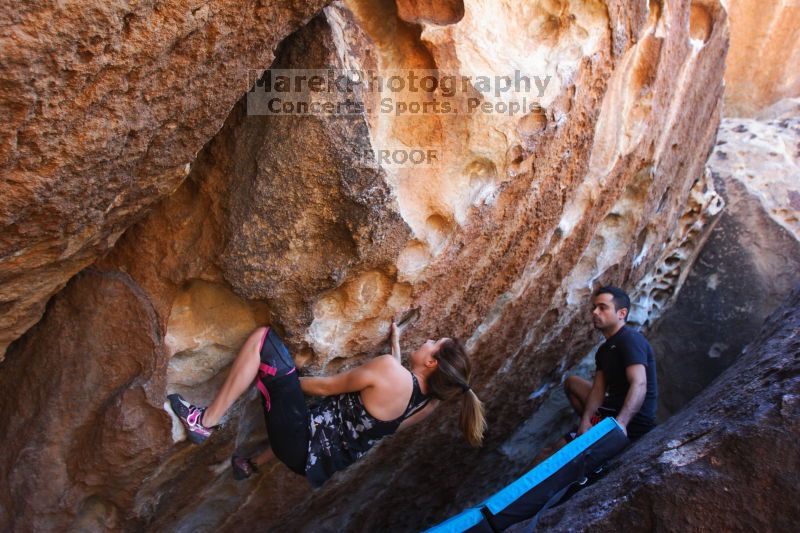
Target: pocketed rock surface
point(750, 260)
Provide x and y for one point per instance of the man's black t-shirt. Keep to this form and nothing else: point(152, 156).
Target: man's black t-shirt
point(628, 347)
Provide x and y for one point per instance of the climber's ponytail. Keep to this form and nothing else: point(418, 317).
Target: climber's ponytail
point(471, 420)
point(452, 379)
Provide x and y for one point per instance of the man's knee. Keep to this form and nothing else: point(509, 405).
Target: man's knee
point(569, 385)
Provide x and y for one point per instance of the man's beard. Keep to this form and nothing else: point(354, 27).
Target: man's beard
point(600, 326)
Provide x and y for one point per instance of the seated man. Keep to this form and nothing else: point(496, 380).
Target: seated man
point(625, 381)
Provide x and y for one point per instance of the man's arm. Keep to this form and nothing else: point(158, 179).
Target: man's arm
point(593, 402)
point(356, 379)
point(420, 415)
point(637, 388)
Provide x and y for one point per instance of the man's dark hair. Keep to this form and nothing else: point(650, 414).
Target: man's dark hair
point(620, 298)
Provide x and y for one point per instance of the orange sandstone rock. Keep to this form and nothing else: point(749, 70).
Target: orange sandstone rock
point(105, 107)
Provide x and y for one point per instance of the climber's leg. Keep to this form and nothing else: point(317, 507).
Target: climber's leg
point(286, 416)
point(241, 376)
point(577, 390)
point(199, 421)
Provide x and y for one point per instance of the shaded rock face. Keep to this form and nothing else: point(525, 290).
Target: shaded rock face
point(103, 119)
point(749, 262)
point(319, 205)
point(728, 461)
point(85, 425)
point(282, 220)
point(765, 47)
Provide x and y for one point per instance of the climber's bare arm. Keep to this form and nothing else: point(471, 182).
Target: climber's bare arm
point(353, 380)
point(395, 341)
point(420, 415)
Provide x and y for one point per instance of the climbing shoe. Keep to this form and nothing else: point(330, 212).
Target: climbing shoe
point(243, 467)
point(191, 416)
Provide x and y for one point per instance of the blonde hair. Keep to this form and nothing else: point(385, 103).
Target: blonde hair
point(453, 378)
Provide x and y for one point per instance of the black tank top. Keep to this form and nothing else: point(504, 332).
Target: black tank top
point(342, 431)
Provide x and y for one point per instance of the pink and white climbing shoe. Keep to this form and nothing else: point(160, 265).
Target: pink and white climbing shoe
point(191, 416)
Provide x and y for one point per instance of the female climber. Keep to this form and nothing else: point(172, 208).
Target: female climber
point(358, 408)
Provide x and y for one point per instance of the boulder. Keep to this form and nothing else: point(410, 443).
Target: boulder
point(84, 426)
point(106, 107)
point(750, 261)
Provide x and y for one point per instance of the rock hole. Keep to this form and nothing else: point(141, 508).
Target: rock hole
point(482, 174)
point(644, 73)
point(438, 229)
point(532, 125)
point(481, 171)
point(700, 23)
point(663, 201)
point(127, 20)
point(641, 240)
point(655, 12)
point(413, 260)
point(335, 365)
point(516, 154)
point(439, 12)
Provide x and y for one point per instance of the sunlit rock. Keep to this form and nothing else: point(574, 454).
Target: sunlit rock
point(764, 52)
